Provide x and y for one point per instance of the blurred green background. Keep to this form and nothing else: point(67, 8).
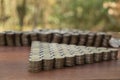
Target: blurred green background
point(27, 15)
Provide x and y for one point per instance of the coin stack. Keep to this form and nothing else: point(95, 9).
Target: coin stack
point(106, 55)
point(89, 55)
point(69, 57)
point(114, 54)
point(106, 39)
point(98, 55)
point(10, 38)
point(26, 39)
point(39, 36)
point(83, 38)
point(99, 38)
point(35, 63)
point(59, 56)
point(57, 38)
point(90, 40)
point(48, 60)
point(45, 36)
point(74, 38)
point(2, 39)
point(35, 59)
point(79, 55)
point(18, 38)
point(33, 36)
point(66, 38)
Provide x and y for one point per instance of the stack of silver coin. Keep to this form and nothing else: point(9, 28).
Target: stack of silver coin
point(106, 39)
point(114, 54)
point(2, 39)
point(74, 38)
point(33, 36)
point(99, 38)
point(98, 56)
point(89, 57)
point(57, 38)
point(69, 57)
point(10, 38)
point(45, 36)
point(106, 54)
point(90, 39)
point(48, 60)
point(25, 39)
point(83, 38)
point(59, 56)
point(18, 38)
point(66, 38)
point(79, 55)
point(35, 58)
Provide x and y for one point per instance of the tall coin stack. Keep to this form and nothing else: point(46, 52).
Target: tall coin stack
point(74, 38)
point(26, 39)
point(114, 54)
point(18, 38)
point(59, 56)
point(48, 60)
point(106, 39)
point(99, 39)
point(83, 38)
point(90, 39)
point(35, 58)
point(66, 38)
point(57, 38)
point(10, 38)
point(69, 58)
point(33, 36)
point(2, 38)
point(45, 36)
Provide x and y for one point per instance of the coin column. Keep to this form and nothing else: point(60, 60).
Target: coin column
point(98, 55)
point(106, 55)
point(99, 39)
point(26, 39)
point(35, 58)
point(106, 39)
point(66, 38)
point(83, 38)
point(69, 58)
point(79, 55)
point(33, 36)
point(59, 56)
point(74, 38)
point(2, 39)
point(57, 38)
point(10, 38)
point(89, 56)
point(18, 41)
point(90, 40)
point(45, 36)
point(48, 60)
point(114, 54)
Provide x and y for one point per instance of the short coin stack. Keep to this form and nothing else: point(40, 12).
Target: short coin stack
point(48, 56)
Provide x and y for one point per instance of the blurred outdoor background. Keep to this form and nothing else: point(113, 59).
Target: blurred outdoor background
point(26, 15)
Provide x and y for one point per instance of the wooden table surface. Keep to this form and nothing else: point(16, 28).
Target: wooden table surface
point(14, 63)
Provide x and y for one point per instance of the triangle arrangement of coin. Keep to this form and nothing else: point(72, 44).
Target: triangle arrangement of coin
point(48, 56)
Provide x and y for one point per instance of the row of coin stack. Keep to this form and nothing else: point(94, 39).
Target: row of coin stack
point(48, 56)
point(85, 38)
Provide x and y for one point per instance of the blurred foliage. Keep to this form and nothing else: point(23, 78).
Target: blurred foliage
point(61, 14)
